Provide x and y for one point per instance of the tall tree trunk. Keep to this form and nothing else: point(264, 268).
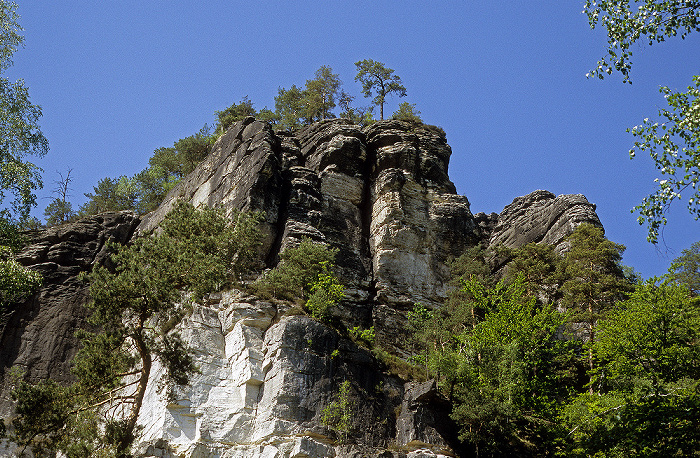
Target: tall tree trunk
point(130, 423)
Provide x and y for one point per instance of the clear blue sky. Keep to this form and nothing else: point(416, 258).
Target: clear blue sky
point(506, 80)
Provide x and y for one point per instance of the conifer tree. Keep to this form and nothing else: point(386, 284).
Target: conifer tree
point(321, 93)
point(594, 280)
point(236, 112)
point(539, 265)
point(134, 307)
point(380, 79)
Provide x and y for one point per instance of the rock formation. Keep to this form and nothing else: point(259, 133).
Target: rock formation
point(38, 336)
point(383, 198)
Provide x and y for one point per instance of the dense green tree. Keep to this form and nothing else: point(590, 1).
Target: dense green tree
point(674, 142)
point(407, 112)
point(470, 265)
point(190, 151)
point(290, 108)
point(379, 79)
point(110, 194)
point(539, 265)
point(153, 184)
point(134, 307)
point(325, 292)
point(59, 212)
point(503, 373)
point(234, 113)
point(270, 116)
point(593, 281)
point(16, 281)
point(299, 268)
point(685, 269)
point(321, 94)
point(649, 353)
point(20, 135)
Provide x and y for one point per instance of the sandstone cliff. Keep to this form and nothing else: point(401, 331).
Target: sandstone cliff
point(383, 198)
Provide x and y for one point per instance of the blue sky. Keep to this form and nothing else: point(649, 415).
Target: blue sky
point(506, 80)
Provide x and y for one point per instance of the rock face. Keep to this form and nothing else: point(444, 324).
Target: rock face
point(383, 198)
point(541, 217)
point(38, 336)
point(266, 376)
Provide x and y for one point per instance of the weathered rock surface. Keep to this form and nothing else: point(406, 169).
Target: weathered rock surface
point(38, 336)
point(417, 220)
point(383, 198)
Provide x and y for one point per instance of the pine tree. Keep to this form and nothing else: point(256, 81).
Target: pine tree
point(135, 306)
point(594, 280)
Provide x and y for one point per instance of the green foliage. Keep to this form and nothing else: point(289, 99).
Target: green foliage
point(155, 279)
point(270, 116)
point(16, 281)
point(360, 116)
point(673, 143)
point(627, 22)
point(539, 265)
point(298, 269)
point(289, 108)
point(407, 112)
point(685, 269)
point(58, 212)
point(593, 277)
point(60, 209)
point(378, 79)
point(20, 135)
point(321, 94)
point(295, 107)
point(146, 190)
point(234, 113)
point(593, 281)
point(338, 414)
point(48, 408)
point(326, 292)
point(649, 349)
point(111, 194)
point(11, 236)
point(365, 337)
point(501, 367)
point(674, 146)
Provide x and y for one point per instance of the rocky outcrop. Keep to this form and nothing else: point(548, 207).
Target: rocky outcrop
point(38, 336)
point(243, 172)
point(418, 221)
point(542, 217)
point(382, 197)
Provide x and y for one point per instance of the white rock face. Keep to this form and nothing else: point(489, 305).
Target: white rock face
point(263, 383)
point(239, 404)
